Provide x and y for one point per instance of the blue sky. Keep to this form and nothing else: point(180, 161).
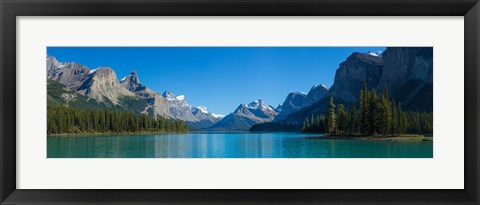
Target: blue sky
point(219, 78)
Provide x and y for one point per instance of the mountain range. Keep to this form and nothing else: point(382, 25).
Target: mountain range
point(406, 71)
point(245, 116)
point(75, 85)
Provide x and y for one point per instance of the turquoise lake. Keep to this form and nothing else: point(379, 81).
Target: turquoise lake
point(228, 145)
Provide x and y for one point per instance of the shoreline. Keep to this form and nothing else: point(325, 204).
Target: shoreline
point(114, 133)
point(405, 137)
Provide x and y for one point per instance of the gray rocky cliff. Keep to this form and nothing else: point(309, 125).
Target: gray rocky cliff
point(101, 84)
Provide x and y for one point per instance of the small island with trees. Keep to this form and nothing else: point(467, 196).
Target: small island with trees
point(378, 118)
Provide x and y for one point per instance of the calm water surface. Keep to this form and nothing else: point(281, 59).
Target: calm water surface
point(228, 145)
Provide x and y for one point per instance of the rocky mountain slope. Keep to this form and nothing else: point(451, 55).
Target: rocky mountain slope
point(71, 74)
point(204, 119)
point(198, 117)
point(298, 100)
point(156, 103)
point(59, 94)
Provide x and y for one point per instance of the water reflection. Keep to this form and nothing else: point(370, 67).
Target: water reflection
point(228, 145)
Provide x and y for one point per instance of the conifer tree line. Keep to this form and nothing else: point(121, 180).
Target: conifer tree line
point(62, 119)
point(376, 116)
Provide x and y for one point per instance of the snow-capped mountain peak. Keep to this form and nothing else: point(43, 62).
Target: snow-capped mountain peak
point(203, 117)
point(260, 105)
point(255, 104)
point(202, 109)
point(375, 53)
point(170, 96)
point(180, 97)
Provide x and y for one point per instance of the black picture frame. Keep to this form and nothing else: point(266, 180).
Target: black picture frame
point(10, 9)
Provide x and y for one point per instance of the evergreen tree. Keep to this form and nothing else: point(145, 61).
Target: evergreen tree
point(342, 120)
point(376, 116)
point(331, 121)
point(318, 126)
point(306, 125)
point(394, 119)
point(384, 111)
point(364, 109)
point(61, 119)
point(313, 128)
point(322, 127)
point(402, 120)
point(352, 120)
point(373, 114)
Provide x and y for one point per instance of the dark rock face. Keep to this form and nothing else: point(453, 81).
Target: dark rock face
point(408, 72)
point(353, 72)
point(405, 64)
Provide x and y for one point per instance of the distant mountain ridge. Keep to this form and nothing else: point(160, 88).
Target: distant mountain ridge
point(298, 100)
point(245, 116)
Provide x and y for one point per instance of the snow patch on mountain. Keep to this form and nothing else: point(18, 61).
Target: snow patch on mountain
point(375, 53)
point(259, 105)
point(218, 115)
point(180, 97)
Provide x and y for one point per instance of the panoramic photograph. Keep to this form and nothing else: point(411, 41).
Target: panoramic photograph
point(239, 102)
